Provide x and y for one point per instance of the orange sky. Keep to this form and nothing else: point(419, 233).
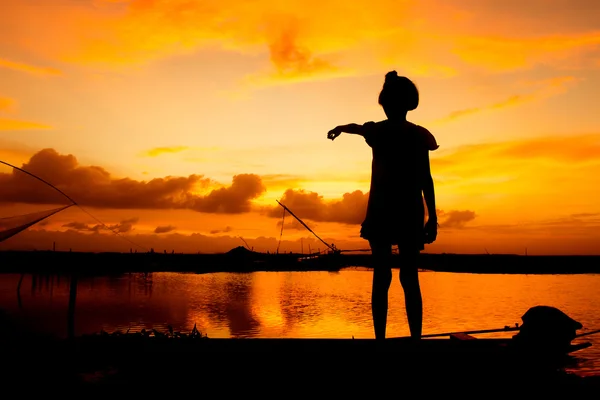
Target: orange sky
point(179, 122)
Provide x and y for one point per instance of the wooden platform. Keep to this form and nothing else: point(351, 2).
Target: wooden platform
point(279, 365)
point(456, 345)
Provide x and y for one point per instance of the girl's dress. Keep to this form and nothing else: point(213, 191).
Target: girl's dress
point(396, 210)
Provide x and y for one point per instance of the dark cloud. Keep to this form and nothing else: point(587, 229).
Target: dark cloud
point(164, 229)
point(585, 215)
point(122, 227)
point(94, 186)
point(224, 230)
point(233, 199)
point(78, 226)
point(42, 239)
point(294, 224)
point(350, 209)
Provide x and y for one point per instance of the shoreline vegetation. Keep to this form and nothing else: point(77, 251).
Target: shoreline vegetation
point(241, 259)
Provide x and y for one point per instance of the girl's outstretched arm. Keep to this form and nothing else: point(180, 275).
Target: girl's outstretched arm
point(355, 129)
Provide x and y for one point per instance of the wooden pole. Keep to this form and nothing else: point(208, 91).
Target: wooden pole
point(588, 333)
point(505, 329)
point(306, 226)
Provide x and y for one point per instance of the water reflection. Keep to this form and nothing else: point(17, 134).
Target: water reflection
point(289, 304)
point(298, 304)
point(230, 301)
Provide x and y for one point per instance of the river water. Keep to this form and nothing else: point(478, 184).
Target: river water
point(297, 304)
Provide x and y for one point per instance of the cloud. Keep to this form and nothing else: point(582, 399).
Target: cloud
point(284, 181)
point(292, 60)
point(188, 243)
point(564, 149)
point(299, 43)
point(157, 151)
point(287, 29)
point(94, 186)
point(585, 215)
point(224, 230)
point(79, 226)
point(293, 224)
point(164, 229)
point(17, 125)
point(520, 179)
point(289, 57)
point(233, 199)
point(350, 209)
point(541, 90)
point(510, 101)
point(455, 218)
point(9, 106)
point(122, 227)
point(573, 238)
point(490, 159)
point(30, 69)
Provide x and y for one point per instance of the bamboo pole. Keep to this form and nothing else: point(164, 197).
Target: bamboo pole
point(588, 333)
point(306, 226)
point(505, 329)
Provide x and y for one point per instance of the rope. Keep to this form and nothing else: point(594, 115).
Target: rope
point(8, 233)
point(74, 203)
point(108, 227)
point(40, 179)
point(331, 247)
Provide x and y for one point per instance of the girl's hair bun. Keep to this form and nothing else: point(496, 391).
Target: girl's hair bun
point(399, 92)
point(390, 76)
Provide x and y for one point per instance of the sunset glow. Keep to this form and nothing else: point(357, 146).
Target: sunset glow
point(178, 123)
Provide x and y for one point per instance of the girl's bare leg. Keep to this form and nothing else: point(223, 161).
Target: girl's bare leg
point(382, 278)
point(409, 278)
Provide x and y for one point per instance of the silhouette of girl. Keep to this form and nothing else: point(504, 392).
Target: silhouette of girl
point(400, 178)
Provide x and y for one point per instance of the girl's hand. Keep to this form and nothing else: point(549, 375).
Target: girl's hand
point(430, 231)
point(335, 132)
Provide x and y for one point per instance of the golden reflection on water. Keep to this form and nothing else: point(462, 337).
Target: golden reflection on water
point(295, 304)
